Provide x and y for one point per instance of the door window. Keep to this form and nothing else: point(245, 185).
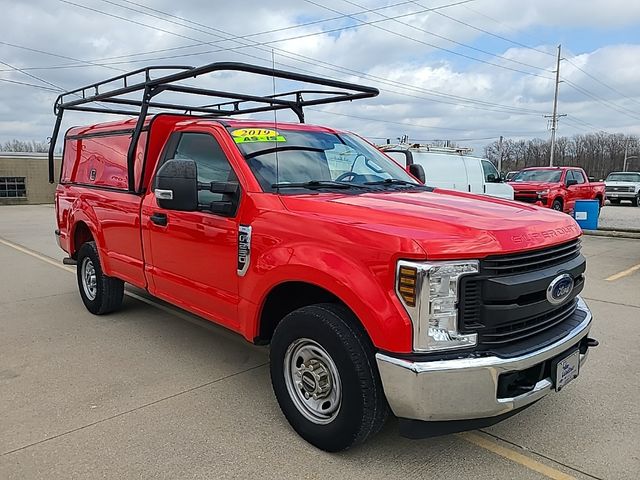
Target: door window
point(569, 176)
point(577, 174)
point(211, 161)
point(489, 169)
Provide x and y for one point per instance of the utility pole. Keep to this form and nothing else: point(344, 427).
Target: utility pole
point(500, 155)
point(554, 116)
point(624, 163)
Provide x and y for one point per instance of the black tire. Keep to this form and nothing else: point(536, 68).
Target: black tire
point(107, 293)
point(363, 408)
point(557, 205)
point(635, 201)
point(614, 201)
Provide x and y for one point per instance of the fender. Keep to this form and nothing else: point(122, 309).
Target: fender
point(367, 290)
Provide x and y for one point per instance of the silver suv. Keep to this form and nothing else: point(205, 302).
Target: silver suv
point(623, 186)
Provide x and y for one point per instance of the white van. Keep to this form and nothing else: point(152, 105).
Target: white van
point(452, 168)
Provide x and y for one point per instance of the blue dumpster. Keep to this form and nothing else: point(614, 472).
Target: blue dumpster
point(586, 214)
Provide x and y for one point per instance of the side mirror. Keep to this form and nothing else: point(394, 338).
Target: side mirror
point(571, 181)
point(417, 171)
point(177, 185)
point(491, 178)
point(592, 179)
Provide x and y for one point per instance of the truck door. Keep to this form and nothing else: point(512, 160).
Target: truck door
point(475, 176)
point(493, 185)
point(573, 191)
point(191, 257)
point(584, 190)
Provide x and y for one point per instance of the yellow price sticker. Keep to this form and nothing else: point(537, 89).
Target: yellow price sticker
point(247, 135)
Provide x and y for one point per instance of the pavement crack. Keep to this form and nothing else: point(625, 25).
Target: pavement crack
point(612, 303)
point(541, 455)
point(140, 407)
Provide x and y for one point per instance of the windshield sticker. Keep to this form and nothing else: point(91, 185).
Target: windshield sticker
point(247, 135)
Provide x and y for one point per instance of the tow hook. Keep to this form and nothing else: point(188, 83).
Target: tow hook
point(592, 342)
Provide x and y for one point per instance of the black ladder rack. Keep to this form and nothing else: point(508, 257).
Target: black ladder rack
point(98, 98)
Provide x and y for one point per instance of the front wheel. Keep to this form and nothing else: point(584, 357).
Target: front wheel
point(100, 294)
point(635, 201)
point(324, 377)
point(557, 205)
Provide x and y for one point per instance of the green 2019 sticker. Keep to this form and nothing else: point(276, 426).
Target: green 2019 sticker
point(247, 135)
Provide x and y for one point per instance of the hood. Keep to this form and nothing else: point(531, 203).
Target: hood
point(444, 223)
point(519, 186)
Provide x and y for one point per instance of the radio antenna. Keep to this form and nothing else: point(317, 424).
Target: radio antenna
point(275, 118)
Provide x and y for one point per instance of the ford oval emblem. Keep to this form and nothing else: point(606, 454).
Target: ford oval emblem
point(559, 289)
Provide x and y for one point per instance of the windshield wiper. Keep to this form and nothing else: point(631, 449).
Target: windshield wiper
point(311, 184)
point(393, 181)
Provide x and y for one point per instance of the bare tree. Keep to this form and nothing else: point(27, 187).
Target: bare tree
point(16, 145)
point(599, 153)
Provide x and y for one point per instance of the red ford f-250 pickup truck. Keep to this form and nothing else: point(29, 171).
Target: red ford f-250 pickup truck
point(376, 293)
point(556, 187)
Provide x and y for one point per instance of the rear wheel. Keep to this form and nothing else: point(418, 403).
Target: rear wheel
point(324, 377)
point(557, 205)
point(100, 294)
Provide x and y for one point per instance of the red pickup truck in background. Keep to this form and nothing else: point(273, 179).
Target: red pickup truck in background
point(377, 294)
point(556, 187)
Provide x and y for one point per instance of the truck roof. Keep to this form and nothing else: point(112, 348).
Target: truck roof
point(199, 120)
point(552, 168)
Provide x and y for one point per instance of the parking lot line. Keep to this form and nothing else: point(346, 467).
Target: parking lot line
point(623, 273)
point(514, 456)
point(476, 439)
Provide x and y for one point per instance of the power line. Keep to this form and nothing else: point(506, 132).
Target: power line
point(596, 79)
point(42, 87)
point(408, 37)
point(612, 106)
point(321, 64)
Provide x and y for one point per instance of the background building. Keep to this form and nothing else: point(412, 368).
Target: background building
point(24, 178)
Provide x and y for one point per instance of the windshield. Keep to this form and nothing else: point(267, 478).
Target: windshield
point(624, 177)
point(551, 176)
point(316, 159)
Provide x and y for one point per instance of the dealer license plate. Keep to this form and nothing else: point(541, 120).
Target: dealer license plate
point(567, 369)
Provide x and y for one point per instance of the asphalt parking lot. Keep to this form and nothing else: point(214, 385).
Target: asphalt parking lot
point(153, 392)
point(622, 217)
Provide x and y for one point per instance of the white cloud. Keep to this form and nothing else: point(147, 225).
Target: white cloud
point(412, 76)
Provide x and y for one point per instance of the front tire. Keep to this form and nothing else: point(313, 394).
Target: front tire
point(100, 294)
point(635, 201)
point(324, 377)
point(557, 205)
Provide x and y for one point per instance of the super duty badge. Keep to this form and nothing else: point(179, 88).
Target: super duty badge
point(244, 249)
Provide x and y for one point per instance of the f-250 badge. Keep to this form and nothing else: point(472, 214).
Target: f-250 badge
point(244, 249)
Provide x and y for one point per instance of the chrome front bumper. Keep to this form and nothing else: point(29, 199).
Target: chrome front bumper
point(466, 388)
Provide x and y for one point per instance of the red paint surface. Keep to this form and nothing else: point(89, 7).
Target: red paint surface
point(346, 244)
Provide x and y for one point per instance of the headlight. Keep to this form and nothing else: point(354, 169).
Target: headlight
point(543, 192)
point(429, 292)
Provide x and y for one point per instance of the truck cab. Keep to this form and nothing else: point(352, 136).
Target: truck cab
point(376, 294)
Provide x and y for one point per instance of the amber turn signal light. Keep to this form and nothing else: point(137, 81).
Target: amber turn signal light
point(407, 285)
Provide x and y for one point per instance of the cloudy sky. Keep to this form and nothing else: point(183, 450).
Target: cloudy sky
point(467, 71)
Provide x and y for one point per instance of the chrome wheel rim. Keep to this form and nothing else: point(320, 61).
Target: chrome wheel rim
point(88, 275)
point(312, 380)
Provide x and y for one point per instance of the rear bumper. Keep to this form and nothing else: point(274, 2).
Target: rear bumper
point(467, 388)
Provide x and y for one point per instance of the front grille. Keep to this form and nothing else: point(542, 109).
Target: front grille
point(526, 199)
point(506, 303)
point(619, 189)
point(529, 261)
point(528, 327)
